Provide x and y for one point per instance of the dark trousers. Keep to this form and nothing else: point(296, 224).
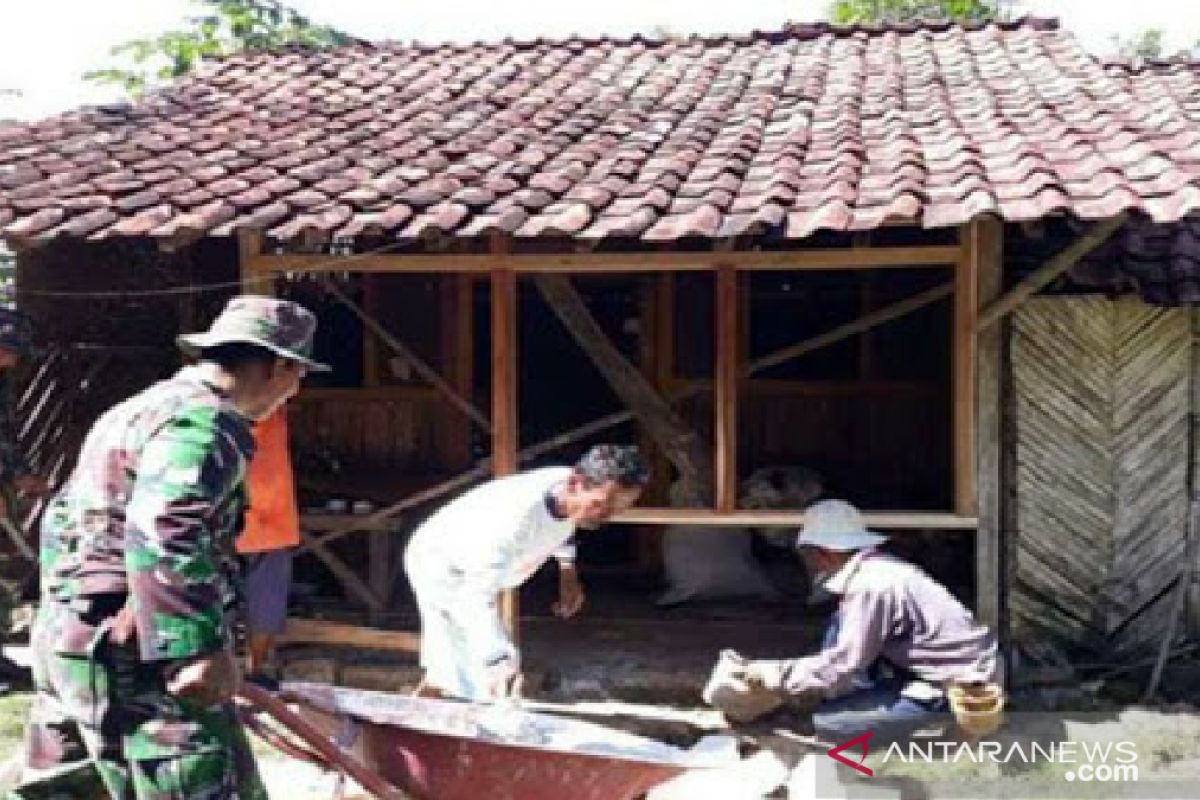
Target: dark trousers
point(874, 704)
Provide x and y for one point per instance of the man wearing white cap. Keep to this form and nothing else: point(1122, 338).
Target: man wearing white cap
point(891, 612)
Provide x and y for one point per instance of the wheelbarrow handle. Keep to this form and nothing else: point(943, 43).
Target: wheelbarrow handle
point(271, 705)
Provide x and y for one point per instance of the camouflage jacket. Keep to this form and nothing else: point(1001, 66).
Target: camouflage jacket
point(151, 512)
point(12, 462)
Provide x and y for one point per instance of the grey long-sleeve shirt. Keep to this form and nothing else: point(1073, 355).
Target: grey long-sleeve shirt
point(892, 609)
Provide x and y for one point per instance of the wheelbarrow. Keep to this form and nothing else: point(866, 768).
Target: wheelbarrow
point(399, 747)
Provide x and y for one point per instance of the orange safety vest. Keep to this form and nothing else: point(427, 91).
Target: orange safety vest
point(273, 520)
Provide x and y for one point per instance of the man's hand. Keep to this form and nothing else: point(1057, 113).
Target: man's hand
point(504, 680)
point(570, 592)
point(210, 680)
point(32, 485)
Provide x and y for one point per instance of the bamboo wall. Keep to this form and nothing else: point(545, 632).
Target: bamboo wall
point(1102, 446)
point(109, 336)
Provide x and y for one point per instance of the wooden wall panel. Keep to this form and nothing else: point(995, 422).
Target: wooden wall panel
point(881, 445)
point(365, 430)
point(1102, 446)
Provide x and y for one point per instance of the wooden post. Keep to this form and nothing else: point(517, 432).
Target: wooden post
point(649, 539)
point(379, 543)
point(379, 572)
point(505, 436)
point(983, 244)
point(458, 355)
point(726, 372)
point(370, 304)
point(966, 305)
point(249, 251)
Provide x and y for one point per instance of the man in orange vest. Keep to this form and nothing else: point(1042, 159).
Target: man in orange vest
point(272, 531)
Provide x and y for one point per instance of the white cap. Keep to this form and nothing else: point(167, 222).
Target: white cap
point(836, 525)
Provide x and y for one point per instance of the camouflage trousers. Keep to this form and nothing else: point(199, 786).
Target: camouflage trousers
point(103, 725)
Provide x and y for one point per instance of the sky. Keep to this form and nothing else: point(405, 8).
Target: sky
point(47, 45)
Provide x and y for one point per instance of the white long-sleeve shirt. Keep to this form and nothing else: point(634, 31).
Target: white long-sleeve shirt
point(490, 539)
point(499, 533)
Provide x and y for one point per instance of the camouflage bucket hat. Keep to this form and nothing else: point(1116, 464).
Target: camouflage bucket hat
point(16, 332)
point(281, 326)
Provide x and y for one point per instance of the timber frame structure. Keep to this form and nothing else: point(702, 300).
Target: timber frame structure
point(975, 264)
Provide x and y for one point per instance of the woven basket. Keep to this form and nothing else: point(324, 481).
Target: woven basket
point(978, 707)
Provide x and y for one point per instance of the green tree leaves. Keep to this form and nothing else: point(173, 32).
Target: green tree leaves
point(224, 27)
point(886, 12)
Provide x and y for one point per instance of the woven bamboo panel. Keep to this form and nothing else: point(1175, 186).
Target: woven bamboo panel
point(1102, 403)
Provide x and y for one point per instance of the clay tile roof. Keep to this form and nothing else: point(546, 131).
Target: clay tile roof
point(778, 134)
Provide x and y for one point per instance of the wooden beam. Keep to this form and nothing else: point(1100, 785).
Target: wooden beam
point(1043, 275)
point(688, 451)
point(725, 405)
point(505, 419)
point(427, 373)
point(966, 304)
point(312, 631)
point(983, 241)
point(605, 262)
point(890, 520)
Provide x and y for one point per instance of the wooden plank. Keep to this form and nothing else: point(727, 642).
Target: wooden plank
point(890, 520)
point(966, 304)
point(726, 372)
point(312, 631)
point(771, 387)
point(1101, 389)
point(601, 262)
point(319, 521)
point(505, 419)
point(1043, 275)
point(370, 394)
point(984, 242)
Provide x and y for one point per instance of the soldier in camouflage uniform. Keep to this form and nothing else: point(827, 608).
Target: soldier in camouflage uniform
point(134, 665)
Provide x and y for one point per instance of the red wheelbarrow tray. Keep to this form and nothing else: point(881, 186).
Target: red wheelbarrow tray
point(447, 750)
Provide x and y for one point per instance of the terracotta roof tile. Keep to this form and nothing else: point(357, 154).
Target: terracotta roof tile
point(779, 134)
